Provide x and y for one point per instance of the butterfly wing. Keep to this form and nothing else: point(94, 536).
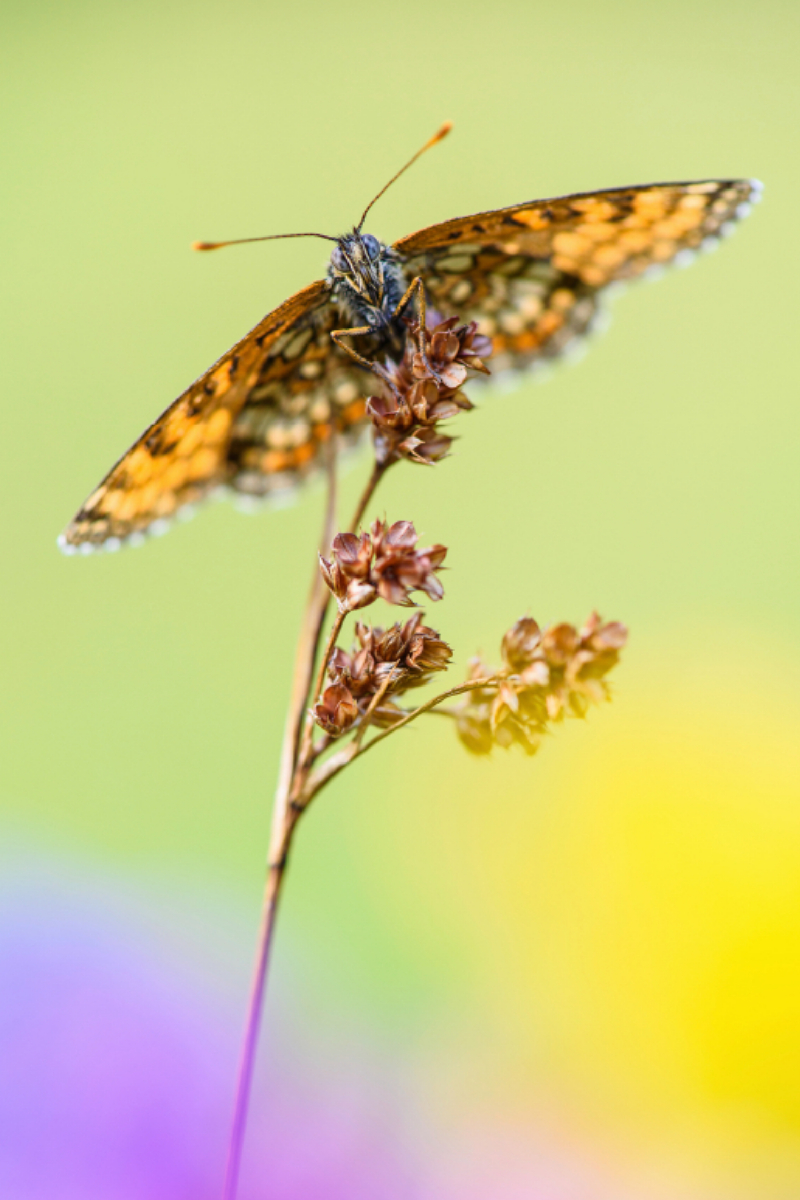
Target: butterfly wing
point(531, 275)
point(254, 422)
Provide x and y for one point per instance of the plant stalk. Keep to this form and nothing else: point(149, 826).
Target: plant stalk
point(255, 1008)
point(295, 763)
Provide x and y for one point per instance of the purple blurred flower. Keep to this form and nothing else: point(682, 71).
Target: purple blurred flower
point(116, 1077)
point(117, 1063)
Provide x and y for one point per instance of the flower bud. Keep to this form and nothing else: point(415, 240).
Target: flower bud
point(521, 642)
point(336, 710)
point(475, 733)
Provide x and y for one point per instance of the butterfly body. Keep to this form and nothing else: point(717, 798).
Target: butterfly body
point(532, 276)
point(367, 282)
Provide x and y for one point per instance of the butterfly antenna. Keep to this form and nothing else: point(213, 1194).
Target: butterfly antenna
point(272, 237)
point(437, 137)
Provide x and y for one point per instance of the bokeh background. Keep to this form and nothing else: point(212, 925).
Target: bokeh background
point(572, 978)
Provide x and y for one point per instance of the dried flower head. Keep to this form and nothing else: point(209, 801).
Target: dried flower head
point(413, 652)
point(399, 568)
point(336, 710)
point(390, 661)
point(547, 675)
point(424, 390)
point(384, 562)
point(451, 350)
point(347, 571)
point(521, 642)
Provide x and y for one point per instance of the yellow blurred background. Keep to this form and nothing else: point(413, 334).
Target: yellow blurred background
point(573, 978)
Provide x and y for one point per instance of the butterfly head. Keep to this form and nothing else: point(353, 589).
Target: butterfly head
point(357, 269)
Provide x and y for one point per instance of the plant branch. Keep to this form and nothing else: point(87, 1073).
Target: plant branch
point(306, 652)
point(378, 472)
point(282, 828)
point(459, 690)
point(373, 704)
point(306, 747)
point(324, 774)
point(255, 1008)
point(297, 755)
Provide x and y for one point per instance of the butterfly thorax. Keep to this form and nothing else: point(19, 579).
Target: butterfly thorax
point(367, 280)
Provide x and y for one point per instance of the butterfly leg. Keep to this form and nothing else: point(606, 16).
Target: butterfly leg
point(361, 331)
point(417, 285)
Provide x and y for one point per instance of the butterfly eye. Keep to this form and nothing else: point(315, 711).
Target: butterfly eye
point(339, 259)
point(371, 245)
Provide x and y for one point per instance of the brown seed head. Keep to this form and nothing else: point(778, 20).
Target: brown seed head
point(384, 562)
point(451, 349)
point(475, 732)
point(347, 571)
point(425, 390)
point(521, 643)
point(547, 675)
point(336, 710)
point(412, 652)
point(399, 569)
point(403, 656)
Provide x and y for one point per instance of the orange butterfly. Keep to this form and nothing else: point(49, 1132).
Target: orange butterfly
point(531, 275)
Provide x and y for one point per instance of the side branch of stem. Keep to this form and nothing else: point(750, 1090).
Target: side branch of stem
point(323, 774)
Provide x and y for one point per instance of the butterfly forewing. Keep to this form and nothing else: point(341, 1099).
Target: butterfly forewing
point(185, 454)
point(530, 275)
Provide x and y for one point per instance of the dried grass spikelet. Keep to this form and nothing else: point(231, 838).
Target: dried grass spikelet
point(385, 562)
point(546, 676)
point(425, 390)
point(336, 710)
point(390, 661)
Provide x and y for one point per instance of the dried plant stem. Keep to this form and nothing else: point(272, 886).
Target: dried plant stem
point(328, 770)
point(255, 1007)
point(296, 757)
point(280, 838)
point(473, 685)
point(305, 755)
point(378, 472)
point(306, 651)
point(373, 704)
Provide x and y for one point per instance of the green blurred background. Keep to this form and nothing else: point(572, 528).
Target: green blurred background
point(597, 949)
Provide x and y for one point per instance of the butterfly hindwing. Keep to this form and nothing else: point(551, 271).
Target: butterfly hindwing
point(306, 386)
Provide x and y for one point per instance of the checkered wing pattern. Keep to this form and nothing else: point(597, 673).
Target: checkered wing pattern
point(531, 275)
point(255, 423)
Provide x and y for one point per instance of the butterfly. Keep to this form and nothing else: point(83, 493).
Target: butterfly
point(530, 275)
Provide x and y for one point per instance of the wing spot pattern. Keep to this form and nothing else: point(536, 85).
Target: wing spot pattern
point(529, 276)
